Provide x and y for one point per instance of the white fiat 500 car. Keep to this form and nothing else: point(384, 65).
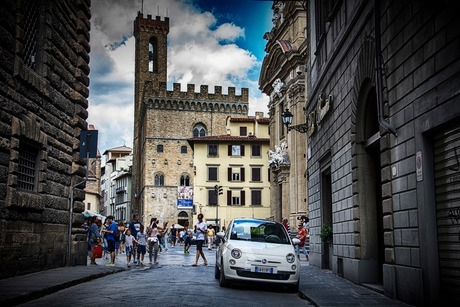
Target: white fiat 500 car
point(257, 251)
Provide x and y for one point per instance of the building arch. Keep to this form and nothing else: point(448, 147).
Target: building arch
point(369, 244)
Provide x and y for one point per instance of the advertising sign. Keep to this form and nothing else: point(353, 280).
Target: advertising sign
point(185, 197)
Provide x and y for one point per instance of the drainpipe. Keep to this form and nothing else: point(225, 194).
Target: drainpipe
point(378, 63)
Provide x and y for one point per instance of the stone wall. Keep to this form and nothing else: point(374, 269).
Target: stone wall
point(44, 56)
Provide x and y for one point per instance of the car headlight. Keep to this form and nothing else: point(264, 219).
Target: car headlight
point(290, 257)
point(236, 253)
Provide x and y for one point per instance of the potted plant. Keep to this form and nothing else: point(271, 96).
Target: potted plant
point(326, 234)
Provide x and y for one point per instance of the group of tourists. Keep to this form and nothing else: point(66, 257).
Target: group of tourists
point(136, 239)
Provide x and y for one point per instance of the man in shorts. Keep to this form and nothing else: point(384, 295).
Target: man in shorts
point(111, 232)
point(200, 230)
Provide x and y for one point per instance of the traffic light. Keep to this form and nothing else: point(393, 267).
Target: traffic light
point(220, 190)
point(216, 189)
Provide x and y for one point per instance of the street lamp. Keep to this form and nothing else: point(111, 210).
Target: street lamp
point(287, 120)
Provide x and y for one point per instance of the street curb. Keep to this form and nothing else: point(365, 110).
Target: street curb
point(29, 296)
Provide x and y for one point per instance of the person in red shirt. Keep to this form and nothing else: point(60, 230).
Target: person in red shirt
point(302, 236)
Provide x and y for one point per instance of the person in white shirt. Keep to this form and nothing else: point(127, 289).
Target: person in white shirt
point(200, 230)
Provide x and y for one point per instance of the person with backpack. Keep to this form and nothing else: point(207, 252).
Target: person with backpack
point(111, 232)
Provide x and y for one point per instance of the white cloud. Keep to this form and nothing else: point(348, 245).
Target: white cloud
point(228, 32)
point(114, 123)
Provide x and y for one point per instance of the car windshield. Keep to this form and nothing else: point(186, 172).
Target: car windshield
point(259, 231)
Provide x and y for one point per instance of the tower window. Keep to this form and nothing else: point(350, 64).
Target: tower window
point(159, 180)
point(183, 149)
point(153, 55)
point(185, 180)
point(159, 148)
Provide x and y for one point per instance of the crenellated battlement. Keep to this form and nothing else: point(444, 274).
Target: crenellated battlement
point(151, 25)
point(204, 94)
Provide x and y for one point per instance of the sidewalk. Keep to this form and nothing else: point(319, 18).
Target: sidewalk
point(21, 289)
point(323, 288)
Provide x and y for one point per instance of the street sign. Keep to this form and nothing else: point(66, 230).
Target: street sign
point(88, 143)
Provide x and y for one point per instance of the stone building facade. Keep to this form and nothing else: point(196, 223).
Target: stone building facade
point(283, 78)
point(44, 48)
point(383, 108)
point(164, 120)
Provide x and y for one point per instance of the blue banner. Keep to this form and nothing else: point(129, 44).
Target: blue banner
point(185, 197)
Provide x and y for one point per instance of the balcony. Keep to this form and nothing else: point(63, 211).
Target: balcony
point(121, 189)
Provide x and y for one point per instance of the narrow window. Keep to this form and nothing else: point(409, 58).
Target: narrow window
point(27, 165)
point(185, 180)
point(183, 149)
point(255, 150)
point(255, 174)
point(153, 55)
point(212, 198)
point(159, 148)
point(212, 174)
point(30, 33)
point(256, 197)
point(243, 131)
point(212, 150)
point(159, 180)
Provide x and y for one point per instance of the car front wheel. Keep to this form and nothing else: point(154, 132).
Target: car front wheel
point(216, 272)
point(222, 280)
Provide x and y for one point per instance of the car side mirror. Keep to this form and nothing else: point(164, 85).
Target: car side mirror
point(221, 235)
point(295, 241)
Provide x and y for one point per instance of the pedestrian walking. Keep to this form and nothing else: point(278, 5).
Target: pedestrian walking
point(286, 225)
point(105, 246)
point(153, 233)
point(200, 230)
point(187, 238)
point(211, 234)
point(111, 232)
point(181, 237)
point(302, 236)
point(141, 245)
point(94, 238)
point(121, 231)
point(129, 246)
point(135, 226)
point(173, 235)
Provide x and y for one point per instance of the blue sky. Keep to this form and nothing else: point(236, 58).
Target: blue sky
point(211, 42)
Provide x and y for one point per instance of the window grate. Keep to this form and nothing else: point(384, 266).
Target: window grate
point(27, 168)
point(30, 33)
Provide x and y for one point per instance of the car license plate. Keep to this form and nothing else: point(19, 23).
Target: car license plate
point(262, 269)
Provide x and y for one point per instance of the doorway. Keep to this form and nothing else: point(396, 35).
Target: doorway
point(326, 216)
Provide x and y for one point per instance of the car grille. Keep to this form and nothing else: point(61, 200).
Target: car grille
point(249, 274)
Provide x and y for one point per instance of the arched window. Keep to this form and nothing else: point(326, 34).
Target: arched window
point(185, 180)
point(199, 130)
point(153, 55)
point(159, 179)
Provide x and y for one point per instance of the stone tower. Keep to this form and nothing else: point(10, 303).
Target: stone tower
point(164, 120)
